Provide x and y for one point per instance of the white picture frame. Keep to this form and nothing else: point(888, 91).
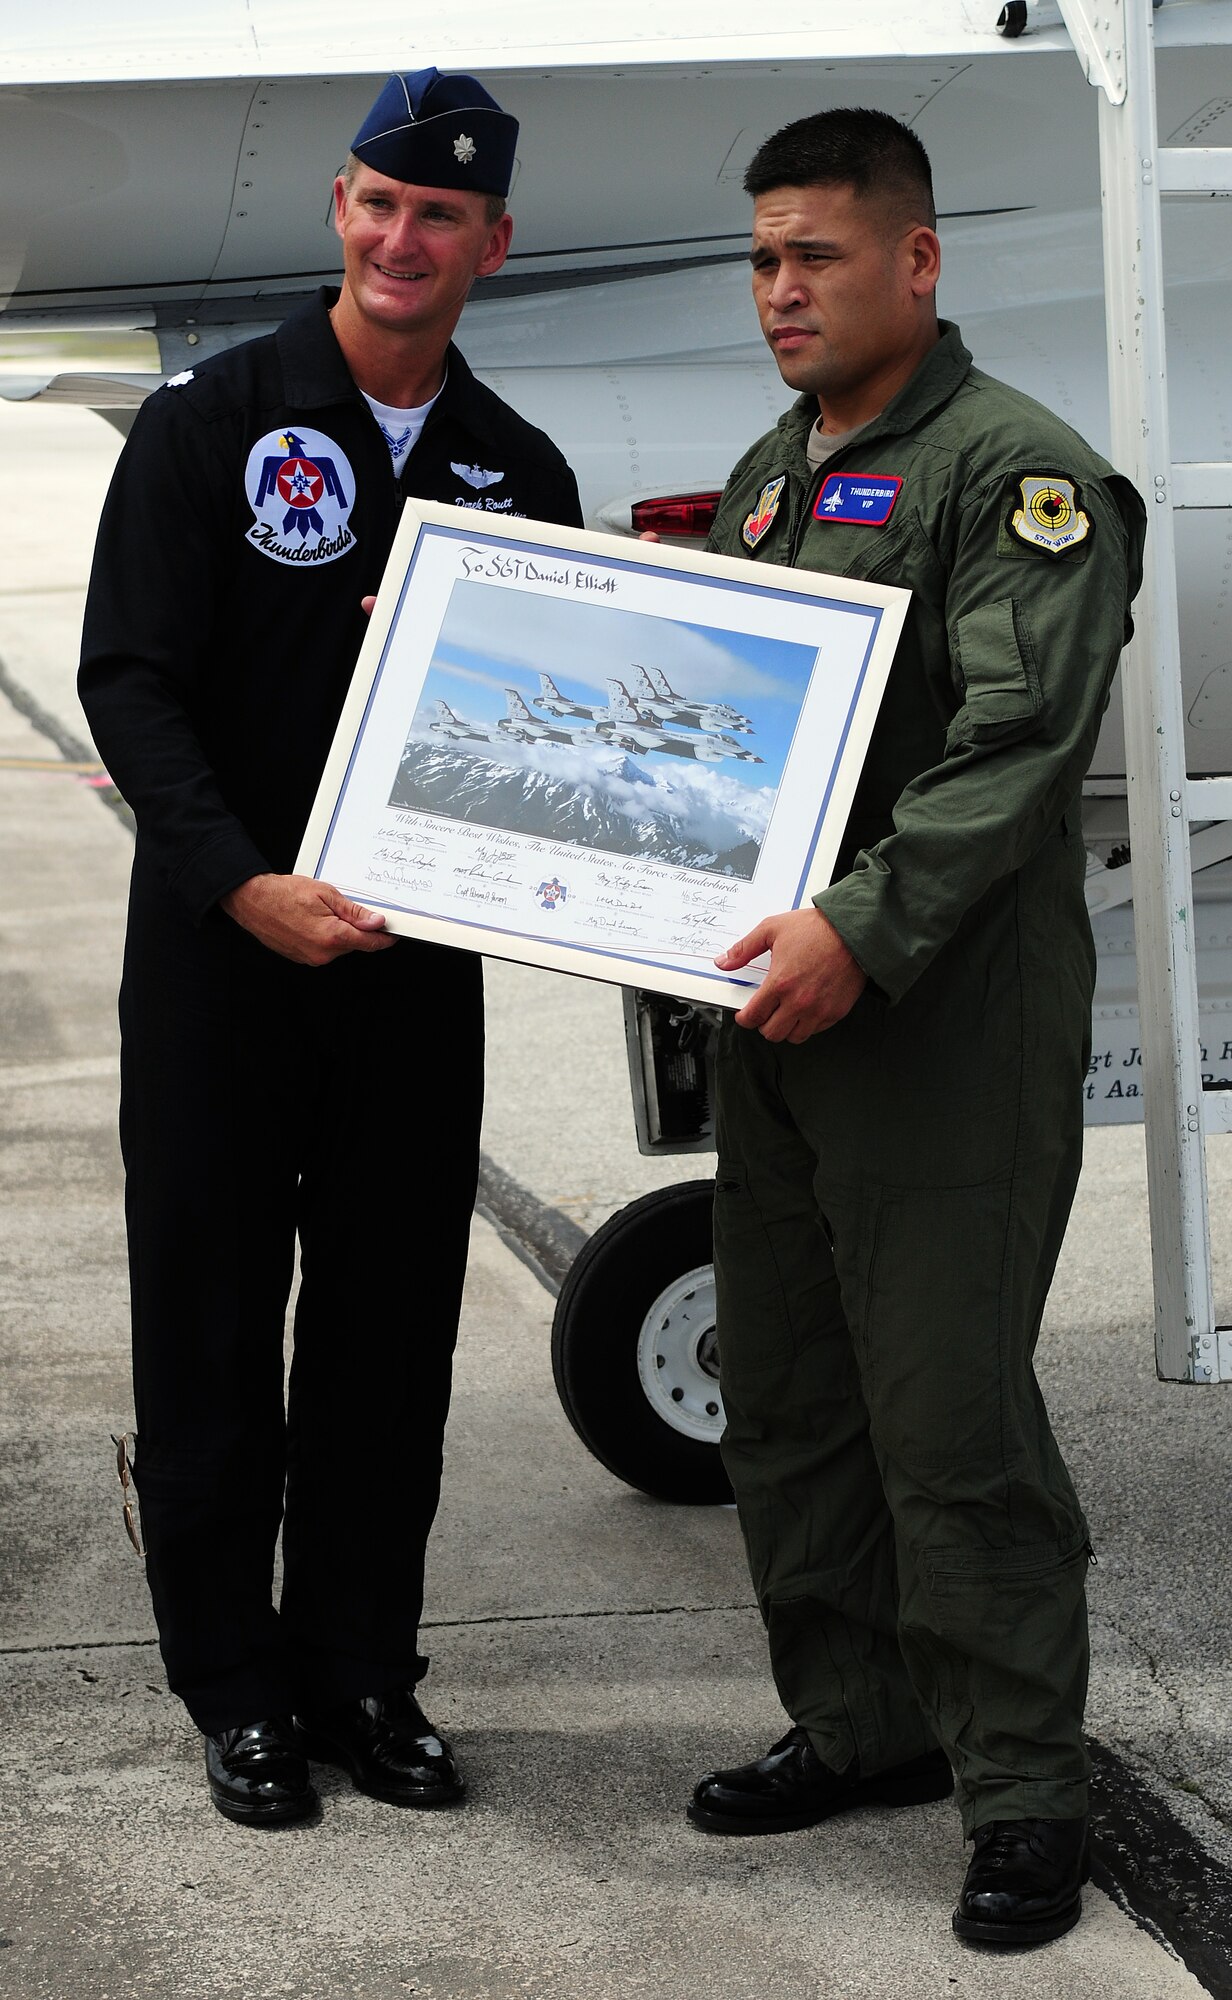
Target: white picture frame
point(604, 756)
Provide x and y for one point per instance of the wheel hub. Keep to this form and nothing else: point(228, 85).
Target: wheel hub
point(678, 1357)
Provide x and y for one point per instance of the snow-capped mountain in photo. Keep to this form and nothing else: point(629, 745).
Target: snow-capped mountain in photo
point(693, 818)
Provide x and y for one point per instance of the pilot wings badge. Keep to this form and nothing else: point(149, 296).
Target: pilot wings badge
point(475, 475)
point(764, 512)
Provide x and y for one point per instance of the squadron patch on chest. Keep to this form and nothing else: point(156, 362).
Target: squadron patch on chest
point(758, 522)
point(301, 490)
point(1049, 516)
point(865, 497)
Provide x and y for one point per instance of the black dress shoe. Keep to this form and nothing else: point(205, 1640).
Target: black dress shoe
point(389, 1747)
point(1024, 1884)
point(259, 1775)
point(791, 1787)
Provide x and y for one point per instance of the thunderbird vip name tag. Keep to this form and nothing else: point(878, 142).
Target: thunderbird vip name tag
point(757, 523)
point(866, 497)
point(1049, 516)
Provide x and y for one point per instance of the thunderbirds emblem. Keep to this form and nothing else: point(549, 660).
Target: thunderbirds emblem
point(475, 475)
point(764, 512)
point(301, 491)
point(464, 150)
point(1050, 517)
point(552, 893)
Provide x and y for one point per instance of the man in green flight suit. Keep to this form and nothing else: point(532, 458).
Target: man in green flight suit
point(900, 1104)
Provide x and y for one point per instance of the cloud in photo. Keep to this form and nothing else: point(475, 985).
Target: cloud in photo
point(492, 629)
point(709, 806)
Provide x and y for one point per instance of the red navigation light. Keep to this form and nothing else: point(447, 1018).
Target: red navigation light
point(681, 514)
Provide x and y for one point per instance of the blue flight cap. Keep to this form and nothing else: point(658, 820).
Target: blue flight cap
point(439, 131)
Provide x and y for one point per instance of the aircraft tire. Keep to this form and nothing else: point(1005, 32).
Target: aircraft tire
point(633, 1351)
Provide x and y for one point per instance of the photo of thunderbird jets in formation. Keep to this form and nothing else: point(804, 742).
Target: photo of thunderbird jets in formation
point(446, 723)
point(631, 725)
point(651, 693)
point(516, 725)
point(653, 721)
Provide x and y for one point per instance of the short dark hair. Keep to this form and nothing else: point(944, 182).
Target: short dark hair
point(852, 147)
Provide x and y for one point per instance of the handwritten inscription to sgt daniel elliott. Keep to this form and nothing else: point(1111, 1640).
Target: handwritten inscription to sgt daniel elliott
point(497, 566)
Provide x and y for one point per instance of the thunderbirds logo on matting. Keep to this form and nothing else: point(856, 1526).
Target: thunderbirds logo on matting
point(550, 895)
point(301, 491)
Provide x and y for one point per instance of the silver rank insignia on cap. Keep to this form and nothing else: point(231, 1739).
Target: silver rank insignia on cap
point(464, 150)
point(1050, 517)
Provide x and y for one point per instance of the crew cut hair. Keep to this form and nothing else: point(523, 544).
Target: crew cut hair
point(876, 155)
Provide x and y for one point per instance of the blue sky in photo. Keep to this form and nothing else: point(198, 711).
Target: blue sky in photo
point(495, 636)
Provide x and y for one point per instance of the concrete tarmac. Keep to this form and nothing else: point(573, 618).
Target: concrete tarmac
point(592, 1650)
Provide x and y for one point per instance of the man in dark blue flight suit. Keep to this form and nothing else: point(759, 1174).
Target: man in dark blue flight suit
point(265, 1016)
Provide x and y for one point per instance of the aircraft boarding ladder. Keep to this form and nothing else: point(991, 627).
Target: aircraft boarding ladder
point(1115, 40)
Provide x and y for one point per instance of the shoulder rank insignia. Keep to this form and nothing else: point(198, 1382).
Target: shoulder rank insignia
point(764, 512)
point(1049, 516)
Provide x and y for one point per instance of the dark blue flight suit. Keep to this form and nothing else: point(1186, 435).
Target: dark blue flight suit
point(252, 508)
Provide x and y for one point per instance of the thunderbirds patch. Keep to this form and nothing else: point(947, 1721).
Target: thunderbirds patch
point(1049, 516)
point(763, 514)
point(301, 491)
point(866, 497)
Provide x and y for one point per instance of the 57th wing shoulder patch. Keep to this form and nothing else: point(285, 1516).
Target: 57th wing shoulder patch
point(1047, 514)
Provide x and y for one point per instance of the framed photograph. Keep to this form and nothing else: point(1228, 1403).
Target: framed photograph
point(605, 756)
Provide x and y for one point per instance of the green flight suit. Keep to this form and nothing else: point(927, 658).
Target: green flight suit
point(892, 1194)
